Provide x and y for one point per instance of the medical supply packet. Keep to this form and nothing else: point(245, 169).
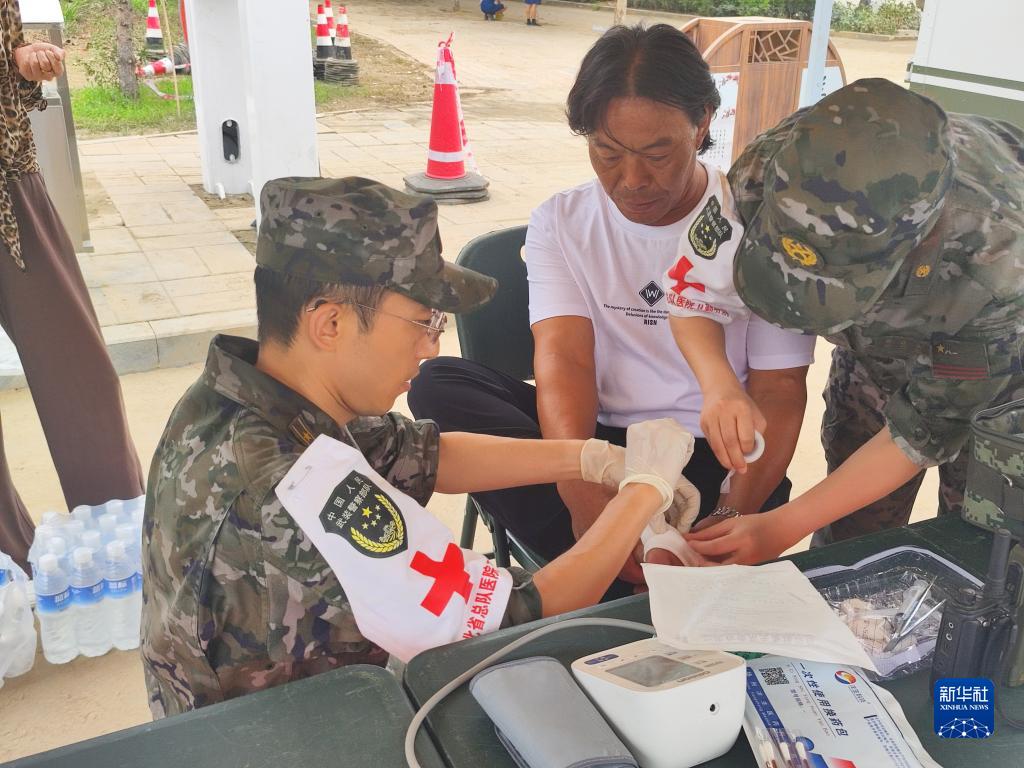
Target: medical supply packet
point(770, 608)
point(872, 597)
point(825, 716)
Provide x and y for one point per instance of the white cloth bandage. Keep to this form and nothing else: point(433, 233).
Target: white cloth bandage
point(671, 540)
point(658, 483)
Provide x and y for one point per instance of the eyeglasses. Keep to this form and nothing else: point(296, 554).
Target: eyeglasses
point(434, 327)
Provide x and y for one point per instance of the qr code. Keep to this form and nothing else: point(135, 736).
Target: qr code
point(774, 676)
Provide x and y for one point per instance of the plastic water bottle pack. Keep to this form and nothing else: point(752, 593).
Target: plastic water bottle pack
point(17, 629)
point(88, 579)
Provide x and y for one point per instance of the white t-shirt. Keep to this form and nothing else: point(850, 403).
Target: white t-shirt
point(586, 259)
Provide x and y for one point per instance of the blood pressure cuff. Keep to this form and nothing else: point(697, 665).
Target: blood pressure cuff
point(544, 719)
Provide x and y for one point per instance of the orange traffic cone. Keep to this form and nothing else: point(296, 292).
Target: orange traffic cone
point(446, 178)
point(341, 39)
point(324, 46)
point(154, 35)
point(331, 26)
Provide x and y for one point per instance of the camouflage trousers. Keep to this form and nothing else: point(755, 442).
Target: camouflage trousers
point(854, 408)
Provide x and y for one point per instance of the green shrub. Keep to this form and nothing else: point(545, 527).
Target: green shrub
point(887, 19)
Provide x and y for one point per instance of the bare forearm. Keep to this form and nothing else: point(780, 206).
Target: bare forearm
point(471, 462)
point(878, 468)
point(782, 398)
point(567, 408)
point(702, 342)
point(580, 576)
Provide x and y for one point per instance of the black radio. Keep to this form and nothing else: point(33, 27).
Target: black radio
point(977, 627)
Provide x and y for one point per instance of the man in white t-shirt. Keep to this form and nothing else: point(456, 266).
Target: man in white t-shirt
point(605, 357)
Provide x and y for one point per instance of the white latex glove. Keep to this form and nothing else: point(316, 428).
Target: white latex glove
point(656, 452)
point(602, 462)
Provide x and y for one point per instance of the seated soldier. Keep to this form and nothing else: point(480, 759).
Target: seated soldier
point(254, 574)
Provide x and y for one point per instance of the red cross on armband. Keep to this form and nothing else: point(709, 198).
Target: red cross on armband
point(449, 575)
point(679, 273)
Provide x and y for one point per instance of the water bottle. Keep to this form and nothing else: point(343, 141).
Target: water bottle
point(92, 628)
point(94, 541)
point(108, 524)
point(43, 534)
point(58, 546)
point(137, 516)
point(124, 601)
point(72, 533)
point(52, 517)
point(115, 507)
point(53, 605)
point(83, 513)
point(17, 627)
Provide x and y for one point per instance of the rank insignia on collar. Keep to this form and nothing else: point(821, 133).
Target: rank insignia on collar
point(709, 230)
point(365, 516)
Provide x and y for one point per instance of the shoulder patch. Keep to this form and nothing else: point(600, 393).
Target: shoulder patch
point(366, 517)
point(709, 230)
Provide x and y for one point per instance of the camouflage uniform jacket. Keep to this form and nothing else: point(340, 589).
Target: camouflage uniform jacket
point(945, 338)
point(236, 598)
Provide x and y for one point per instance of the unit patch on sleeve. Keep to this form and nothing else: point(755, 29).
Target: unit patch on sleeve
point(366, 517)
point(709, 230)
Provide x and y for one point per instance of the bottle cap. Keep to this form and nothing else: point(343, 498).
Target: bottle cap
point(48, 563)
point(82, 556)
point(115, 549)
point(57, 546)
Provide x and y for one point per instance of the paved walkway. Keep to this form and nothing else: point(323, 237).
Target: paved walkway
point(168, 270)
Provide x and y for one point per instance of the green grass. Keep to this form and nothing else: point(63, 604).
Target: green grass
point(103, 110)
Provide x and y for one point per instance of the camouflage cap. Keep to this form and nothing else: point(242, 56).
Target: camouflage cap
point(359, 231)
point(857, 184)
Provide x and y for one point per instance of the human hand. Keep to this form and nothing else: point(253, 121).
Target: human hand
point(656, 452)
point(602, 462)
point(729, 420)
point(746, 540)
point(39, 61)
point(585, 502)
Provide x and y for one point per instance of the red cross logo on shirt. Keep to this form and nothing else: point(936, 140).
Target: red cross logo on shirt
point(679, 273)
point(449, 575)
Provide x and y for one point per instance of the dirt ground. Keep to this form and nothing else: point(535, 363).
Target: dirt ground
point(509, 70)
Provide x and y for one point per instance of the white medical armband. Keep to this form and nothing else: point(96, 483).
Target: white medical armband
point(700, 283)
point(410, 586)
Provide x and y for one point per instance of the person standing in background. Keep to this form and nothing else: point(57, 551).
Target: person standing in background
point(46, 310)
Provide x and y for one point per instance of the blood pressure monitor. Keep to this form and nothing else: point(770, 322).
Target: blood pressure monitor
point(672, 708)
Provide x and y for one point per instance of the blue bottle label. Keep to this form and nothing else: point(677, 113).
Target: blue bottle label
point(53, 603)
point(137, 582)
point(88, 595)
point(5, 577)
point(119, 588)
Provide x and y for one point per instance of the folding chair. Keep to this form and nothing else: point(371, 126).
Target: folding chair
point(498, 335)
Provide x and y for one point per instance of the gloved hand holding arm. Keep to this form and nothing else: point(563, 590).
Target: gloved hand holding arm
point(655, 454)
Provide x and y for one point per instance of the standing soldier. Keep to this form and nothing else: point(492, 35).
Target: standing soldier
point(895, 231)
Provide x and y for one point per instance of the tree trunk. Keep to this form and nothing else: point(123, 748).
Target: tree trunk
point(125, 51)
point(619, 14)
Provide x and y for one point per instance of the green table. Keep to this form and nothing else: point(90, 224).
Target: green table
point(348, 718)
point(465, 737)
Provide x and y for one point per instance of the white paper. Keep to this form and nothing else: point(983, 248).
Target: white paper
point(769, 608)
